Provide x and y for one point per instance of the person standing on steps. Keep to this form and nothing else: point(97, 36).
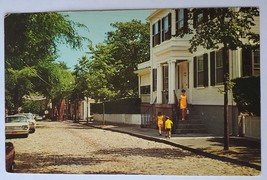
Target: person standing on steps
point(182, 102)
point(160, 122)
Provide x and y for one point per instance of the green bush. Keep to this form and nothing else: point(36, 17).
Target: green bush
point(246, 92)
point(120, 106)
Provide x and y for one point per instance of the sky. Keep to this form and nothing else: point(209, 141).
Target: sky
point(98, 23)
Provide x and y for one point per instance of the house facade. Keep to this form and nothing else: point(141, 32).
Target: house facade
point(172, 68)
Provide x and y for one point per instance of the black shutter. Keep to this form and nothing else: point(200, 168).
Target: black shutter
point(169, 26)
point(154, 79)
point(247, 61)
point(195, 71)
point(206, 70)
point(212, 68)
point(153, 36)
point(159, 38)
point(162, 30)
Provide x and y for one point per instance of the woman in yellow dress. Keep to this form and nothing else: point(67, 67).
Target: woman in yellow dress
point(182, 102)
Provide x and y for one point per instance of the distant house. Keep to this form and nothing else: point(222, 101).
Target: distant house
point(172, 68)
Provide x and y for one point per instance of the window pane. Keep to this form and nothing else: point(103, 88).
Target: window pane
point(200, 18)
point(200, 64)
point(166, 23)
point(200, 69)
point(156, 28)
point(200, 78)
point(180, 18)
point(219, 60)
point(219, 76)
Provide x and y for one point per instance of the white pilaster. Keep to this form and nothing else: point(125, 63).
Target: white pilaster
point(171, 79)
point(159, 83)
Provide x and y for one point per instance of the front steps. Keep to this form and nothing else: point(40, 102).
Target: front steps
point(192, 123)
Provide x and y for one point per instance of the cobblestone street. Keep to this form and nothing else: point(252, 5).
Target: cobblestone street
point(70, 148)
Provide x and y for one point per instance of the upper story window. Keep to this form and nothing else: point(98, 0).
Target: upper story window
point(199, 16)
point(156, 33)
point(161, 30)
point(181, 20)
point(166, 27)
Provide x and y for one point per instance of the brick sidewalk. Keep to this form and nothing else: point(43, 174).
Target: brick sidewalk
point(241, 151)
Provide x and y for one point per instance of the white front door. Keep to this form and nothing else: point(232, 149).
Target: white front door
point(183, 78)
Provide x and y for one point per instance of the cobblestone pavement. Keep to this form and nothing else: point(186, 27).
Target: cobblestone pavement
point(71, 148)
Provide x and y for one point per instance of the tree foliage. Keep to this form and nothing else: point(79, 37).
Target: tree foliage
point(227, 26)
point(111, 65)
point(246, 92)
point(31, 42)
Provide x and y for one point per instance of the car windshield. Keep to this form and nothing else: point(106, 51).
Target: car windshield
point(16, 119)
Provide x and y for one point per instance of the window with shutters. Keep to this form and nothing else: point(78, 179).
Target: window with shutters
point(201, 71)
point(250, 61)
point(256, 62)
point(216, 67)
point(219, 67)
point(181, 21)
point(200, 16)
point(166, 28)
point(156, 33)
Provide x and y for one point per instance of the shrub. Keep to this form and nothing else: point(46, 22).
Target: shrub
point(246, 92)
point(120, 106)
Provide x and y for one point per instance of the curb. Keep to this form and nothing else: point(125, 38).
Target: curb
point(196, 151)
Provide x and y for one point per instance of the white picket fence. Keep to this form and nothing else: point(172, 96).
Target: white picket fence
point(119, 118)
point(252, 127)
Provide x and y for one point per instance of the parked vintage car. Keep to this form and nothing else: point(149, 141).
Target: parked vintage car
point(38, 117)
point(17, 125)
point(32, 121)
point(10, 157)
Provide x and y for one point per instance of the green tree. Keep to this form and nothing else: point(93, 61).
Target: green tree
point(226, 27)
point(113, 62)
point(31, 41)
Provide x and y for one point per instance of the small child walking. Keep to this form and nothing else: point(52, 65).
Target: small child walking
point(182, 102)
point(168, 127)
point(160, 122)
